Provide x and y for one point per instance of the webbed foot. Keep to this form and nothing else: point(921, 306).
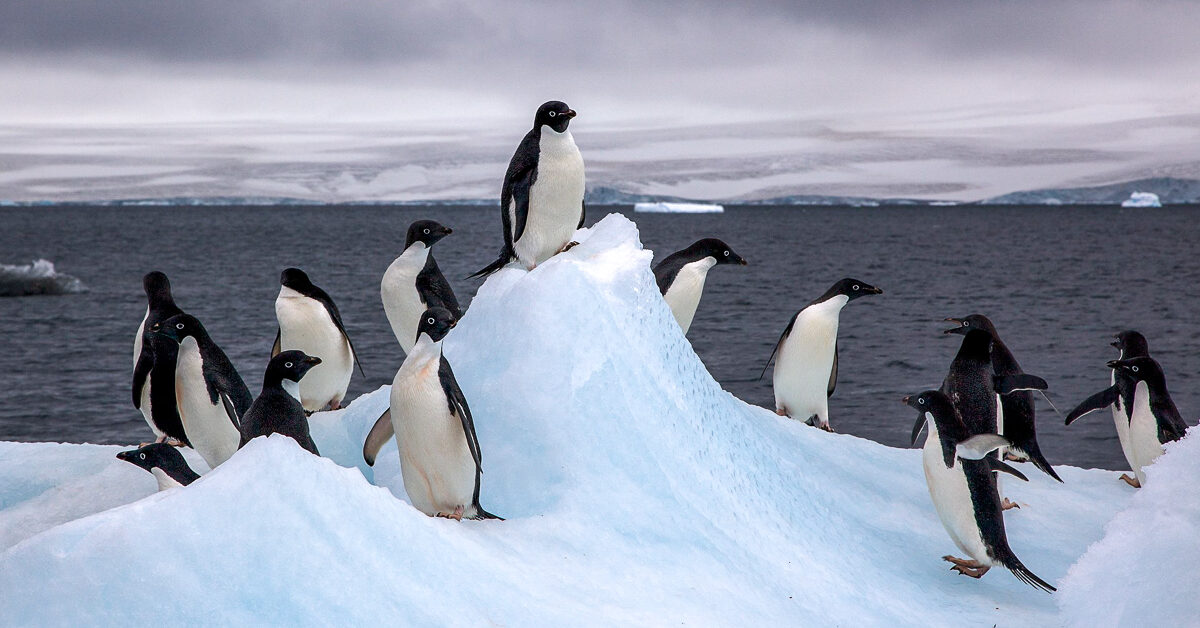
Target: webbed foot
point(1130, 480)
point(1008, 504)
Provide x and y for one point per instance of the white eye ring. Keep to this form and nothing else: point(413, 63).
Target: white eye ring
point(430, 321)
point(287, 364)
point(178, 325)
point(726, 253)
point(966, 323)
point(1133, 368)
point(142, 456)
point(552, 114)
point(855, 286)
point(426, 232)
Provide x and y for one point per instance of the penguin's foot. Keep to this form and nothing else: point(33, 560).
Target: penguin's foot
point(457, 515)
point(781, 412)
point(1130, 480)
point(1011, 457)
point(175, 442)
point(825, 426)
point(976, 572)
point(140, 445)
point(336, 404)
point(568, 246)
point(962, 562)
point(1008, 504)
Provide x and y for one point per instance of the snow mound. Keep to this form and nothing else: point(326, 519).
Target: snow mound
point(1142, 199)
point(637, 492)
point(36, 278)
point(677, 208)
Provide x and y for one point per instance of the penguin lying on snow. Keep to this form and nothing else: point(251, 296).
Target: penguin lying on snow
point(541, 203)
point(806, 356)
point(680, 276)
point(440, 459)
point(1118, 396)
point(1155, 420)
point(164, 462)
point(413, 283)
point(962, 486)
point(309, 321)
point(277, 409)
point(154, 363)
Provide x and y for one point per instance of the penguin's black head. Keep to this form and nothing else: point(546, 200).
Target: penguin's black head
point(178, 327)
point(437, 322)
point(554, 114)
point(426, 231)
point(850, 288)
point(291, 365)
point(716, 249)
point(157, 286)
point(295, 279)
point(160, 455)
point(1131, 344)
point(1143, 368)
point(974, 321)
point(937, 404)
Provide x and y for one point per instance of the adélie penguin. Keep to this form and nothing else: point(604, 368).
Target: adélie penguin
point(1016, 418)
point(541, 202)
point(680, 276)
point(277, 409)
point(211, 394)
point(154, 363)
point(1118, 396)
point(1155, 420)
point(309, 321)
point(440, 459)
point(806, 356)
point(962, 485)
point(413, 283)
point(164, 462)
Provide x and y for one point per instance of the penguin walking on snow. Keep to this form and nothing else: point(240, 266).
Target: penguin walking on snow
point(164, 462)
point(413, 283)
point(1016, 419)
point(541, 203)
point(439, 452)
point(1118, 396)
point(806, 356)
point(1155, 420)
point(212, 396)
point(963, 488)
point(277, 409)
point(680, 276)
point(154, 364)
point(309, 321)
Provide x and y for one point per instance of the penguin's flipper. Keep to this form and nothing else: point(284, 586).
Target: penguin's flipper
point(275, 349)
point(778, 344)
point(231, 410)
point(833, 372)
point(1098, 401)
point(996, 465)
point(379, 435)
point(458, 407)
point(582, 217)
point(979, 446)
point(141, 373)
point(1005, 384)
point(1034, 452)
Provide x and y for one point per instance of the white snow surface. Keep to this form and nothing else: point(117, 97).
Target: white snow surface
point(1142, 199)
point(677, 208)
point(637, 493)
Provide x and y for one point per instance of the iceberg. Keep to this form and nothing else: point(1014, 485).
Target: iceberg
point(637, 492)
point(677, 208)
point(37, 278)
point(1142, 199)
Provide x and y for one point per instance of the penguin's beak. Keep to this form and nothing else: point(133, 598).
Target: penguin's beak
point(447, 231)
point(124, 455)
point(954, 330)
point(570, 114)
point(874, 290)
point(453, 323)
point(1116, 344)
point(1115, 364)
point(313, 360)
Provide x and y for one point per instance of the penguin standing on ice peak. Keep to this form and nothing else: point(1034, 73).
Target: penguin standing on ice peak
point(806, 356)
point(154, 363)
point(1016, 419)
point(1118, 396)
point(1155, 420)
point(680, 276)
point(164, 462)
point(277, 409)
point(211, 394)
point(440, 459)
point(309, 321)
point(963, 488)
point(413, 283)
point(541, 203)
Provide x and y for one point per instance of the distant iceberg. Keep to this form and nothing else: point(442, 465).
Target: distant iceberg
point(677, 208)
point(37, 278)
point(1142, 199)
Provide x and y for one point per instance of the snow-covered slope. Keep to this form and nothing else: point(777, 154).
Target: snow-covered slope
point(636, 491)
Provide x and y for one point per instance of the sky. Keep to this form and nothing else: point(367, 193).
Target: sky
point(1110, 85)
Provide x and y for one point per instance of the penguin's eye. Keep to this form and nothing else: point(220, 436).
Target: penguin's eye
point(430, 321)
point(1133, 368)
point(921, 401)
point(966, 323)
point(142, 456)
point(178, 325)
point(426, 232)
point(726, 253)
point(552, 114)
point(855, 287)
point(288, 364)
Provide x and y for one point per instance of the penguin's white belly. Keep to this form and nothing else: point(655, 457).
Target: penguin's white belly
point(804, 363)
point(208, 427)
point(401, 302)
point(1121, 421)
point(435, 460)
point(305, 324)
point(683, 296)
point(147, 410)
point(1143, 433)
point(164, 481)
point(555, 200)
point(137, 340)
point(952, 499)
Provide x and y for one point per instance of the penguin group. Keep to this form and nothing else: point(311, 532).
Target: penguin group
point(979, 419)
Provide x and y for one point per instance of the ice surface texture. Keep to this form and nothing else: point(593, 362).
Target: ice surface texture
point(637, 492)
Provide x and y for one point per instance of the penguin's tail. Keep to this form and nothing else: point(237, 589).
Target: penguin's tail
point(500, 262)
point(483, 514)
point(1024, 575)
point(1034, 452)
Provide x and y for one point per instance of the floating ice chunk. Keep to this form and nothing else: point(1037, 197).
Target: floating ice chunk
point(1142, 199)
point(37, 278)
point(677, 208)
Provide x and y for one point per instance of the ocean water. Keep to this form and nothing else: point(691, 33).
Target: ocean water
point(1057, 282)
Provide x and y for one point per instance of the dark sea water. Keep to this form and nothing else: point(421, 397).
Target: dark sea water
point(1057, 281)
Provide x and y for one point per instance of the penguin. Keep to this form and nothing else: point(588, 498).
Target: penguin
point(1016, 419)
point(413, 283)
point(154, 364)
point(164, 462)
point(680, 276)
point(806, 356)
point(211, 394)
point(541, 202)
point(1155, 420)
point(439, 453)
point(958, 471)
point(277, 409)
point(309, 321)
point(1118, 396)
